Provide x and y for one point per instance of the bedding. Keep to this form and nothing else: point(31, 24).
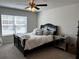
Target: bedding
point(36, 31)
point(39, 31)
point(35, 41)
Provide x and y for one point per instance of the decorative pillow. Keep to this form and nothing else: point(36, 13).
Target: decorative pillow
point(52, 30)
point(46, 32)
point(34, 31)
point(39, 32)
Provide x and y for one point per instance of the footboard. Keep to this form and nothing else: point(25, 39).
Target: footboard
point(16, 40)
point(17, 43)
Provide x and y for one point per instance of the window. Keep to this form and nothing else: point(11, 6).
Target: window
point(13, 24)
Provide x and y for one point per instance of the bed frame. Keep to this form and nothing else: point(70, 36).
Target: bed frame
point(17, 41)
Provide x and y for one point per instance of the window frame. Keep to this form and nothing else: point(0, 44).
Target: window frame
point(14, 25)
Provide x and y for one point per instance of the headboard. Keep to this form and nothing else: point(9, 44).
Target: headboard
point(49, 26)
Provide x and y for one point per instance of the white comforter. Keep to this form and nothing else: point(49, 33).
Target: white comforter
point(33, 41)
point(37, 40)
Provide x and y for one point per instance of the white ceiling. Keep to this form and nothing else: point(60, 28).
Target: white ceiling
point(21, 4)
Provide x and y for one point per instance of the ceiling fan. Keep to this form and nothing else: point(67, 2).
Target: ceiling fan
point(33, 6)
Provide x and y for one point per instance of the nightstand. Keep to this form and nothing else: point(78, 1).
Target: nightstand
point(61, 43)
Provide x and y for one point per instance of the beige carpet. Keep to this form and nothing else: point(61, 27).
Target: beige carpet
point(10, 52)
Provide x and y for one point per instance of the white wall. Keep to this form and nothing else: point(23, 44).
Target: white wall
point(0, 27)
point(66, 17)
point(31, 20)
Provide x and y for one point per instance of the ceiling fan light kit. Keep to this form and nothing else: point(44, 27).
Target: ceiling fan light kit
point(31, 9)
point(33, 6)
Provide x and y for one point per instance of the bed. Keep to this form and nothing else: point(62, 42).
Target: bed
point(35, 42)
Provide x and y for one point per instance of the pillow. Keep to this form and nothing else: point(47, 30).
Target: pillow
point(46, 32)
point(52, 31)
point(39, 32)
point(34, 31)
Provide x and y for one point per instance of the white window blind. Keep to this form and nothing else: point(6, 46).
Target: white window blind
point(13, 24)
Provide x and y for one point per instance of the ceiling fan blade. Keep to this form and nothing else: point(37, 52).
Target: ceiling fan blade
point(41, 5)
point(37, 8)
point(26, 7)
